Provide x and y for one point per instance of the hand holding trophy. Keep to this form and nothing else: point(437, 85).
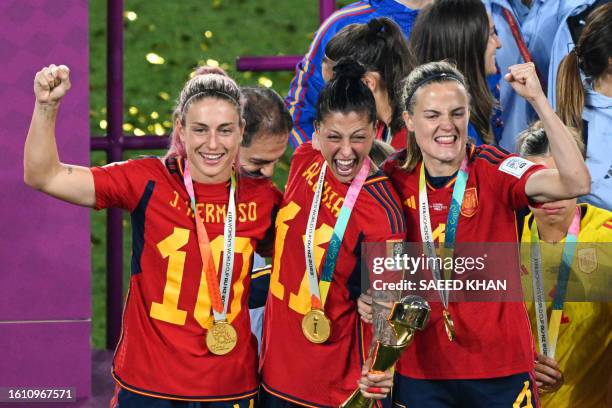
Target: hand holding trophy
point(409, 314)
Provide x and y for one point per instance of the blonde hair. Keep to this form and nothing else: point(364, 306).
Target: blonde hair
point(533, 141)
point(207, 82)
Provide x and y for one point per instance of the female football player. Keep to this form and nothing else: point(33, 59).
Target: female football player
point(196, 223)
point(314, 343)
point(471, 353)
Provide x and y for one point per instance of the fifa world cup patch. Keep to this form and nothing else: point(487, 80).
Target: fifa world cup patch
point(515, 166)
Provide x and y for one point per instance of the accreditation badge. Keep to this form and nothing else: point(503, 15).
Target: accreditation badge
point(316, 326)
point(221, 338)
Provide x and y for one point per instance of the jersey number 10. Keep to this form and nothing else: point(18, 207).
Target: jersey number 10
point(168, 310)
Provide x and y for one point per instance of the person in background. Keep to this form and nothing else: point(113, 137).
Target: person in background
point(266, 133)
point(380, 46)
point(308, 80)
point(314, 344)
point(461, 31)
point(186, 336)
point(576, 374)
point(566, 39)
point(529, 30)
point(268, 124)
point(587, 104)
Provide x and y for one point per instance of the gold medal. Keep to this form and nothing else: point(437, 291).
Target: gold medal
point(221, 338)
point(316, 326)
point(449, 326)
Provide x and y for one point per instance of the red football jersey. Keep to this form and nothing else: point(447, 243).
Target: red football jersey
point(162, 350)
point(493, 339)
point(294, 368)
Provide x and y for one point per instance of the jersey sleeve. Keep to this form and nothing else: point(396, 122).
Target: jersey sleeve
point(268, 198)
point(507, 174)
point(274, 197)
point(390, 222)
point(119, 184)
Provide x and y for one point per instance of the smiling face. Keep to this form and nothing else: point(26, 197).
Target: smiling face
point(493, 44)
point(439, 123)
point(555, 211)
point(262, 155)
point(212, 136)
point(345, 141)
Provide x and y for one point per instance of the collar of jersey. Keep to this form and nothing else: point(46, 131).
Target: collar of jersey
point(469, 150)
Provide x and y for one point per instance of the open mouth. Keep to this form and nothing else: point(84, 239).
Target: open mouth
point(446, 139)
point(345, 167)
point(212, 158)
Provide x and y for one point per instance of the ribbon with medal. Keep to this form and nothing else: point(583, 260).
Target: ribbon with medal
point(222, 337)
point(548, 335)
point(316, 326)
point(450, 236)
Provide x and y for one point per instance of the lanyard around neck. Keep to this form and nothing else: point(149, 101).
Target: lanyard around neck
point(548, 336)
point(451, 223)
point(319, 290)
point(218, 290)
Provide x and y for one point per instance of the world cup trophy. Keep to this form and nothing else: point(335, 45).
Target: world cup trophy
point(407, 316)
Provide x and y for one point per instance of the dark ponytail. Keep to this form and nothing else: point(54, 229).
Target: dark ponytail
point(346, 92)
point(380, 46)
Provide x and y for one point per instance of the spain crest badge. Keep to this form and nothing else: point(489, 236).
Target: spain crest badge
point(469, 206)
point(587, 260)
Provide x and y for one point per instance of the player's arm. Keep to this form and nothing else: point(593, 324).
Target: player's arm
point(571, 178)
point(42, 167)
point(301, 100)
point(307, 84)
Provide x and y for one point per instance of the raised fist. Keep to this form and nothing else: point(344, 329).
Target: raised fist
point(51, 84)
point(524, 80)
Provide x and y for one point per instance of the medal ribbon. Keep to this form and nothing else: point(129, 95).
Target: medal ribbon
point(319, 290)
point(548, 335)
point(451, 222)
point(340, 228)
point(218, 290)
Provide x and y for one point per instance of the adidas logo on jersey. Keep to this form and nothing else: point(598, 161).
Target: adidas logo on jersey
point(410, 202)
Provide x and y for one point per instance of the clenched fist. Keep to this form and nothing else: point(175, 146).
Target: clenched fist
point(51, 84)
point(524, 80)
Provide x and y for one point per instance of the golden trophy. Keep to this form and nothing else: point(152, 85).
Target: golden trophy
point(411, 313)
